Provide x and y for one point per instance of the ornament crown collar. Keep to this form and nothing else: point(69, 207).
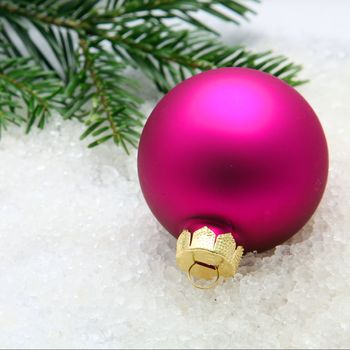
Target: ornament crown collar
point(205, 255)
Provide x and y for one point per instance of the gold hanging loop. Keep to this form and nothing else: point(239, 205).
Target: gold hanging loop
point(202, 286)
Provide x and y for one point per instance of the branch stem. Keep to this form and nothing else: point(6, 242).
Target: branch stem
point(57, 21)
point(21, 86)
point(183, 60)
point(89, 65)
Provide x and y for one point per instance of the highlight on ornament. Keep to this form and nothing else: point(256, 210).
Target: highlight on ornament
point(231, 160)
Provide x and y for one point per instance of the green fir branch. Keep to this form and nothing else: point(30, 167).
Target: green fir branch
point(183, 10)
point(78, 65)
point(28, 94)
point(168, 56)
point(114, 113)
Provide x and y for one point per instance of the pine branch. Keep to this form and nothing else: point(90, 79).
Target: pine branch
point(168, 56)
point(183, 10)
point(92, 42)
point(115, 112)
point(26, 87)
point(58, 33)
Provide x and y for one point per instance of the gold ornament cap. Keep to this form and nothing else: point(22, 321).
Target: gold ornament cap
point(205, 255)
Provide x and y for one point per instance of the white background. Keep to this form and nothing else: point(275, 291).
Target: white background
point(84, 264)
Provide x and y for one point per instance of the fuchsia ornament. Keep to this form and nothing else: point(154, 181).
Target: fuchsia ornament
point(231, 158)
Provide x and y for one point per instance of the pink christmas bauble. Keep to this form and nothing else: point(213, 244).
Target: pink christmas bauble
point(238, 151)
